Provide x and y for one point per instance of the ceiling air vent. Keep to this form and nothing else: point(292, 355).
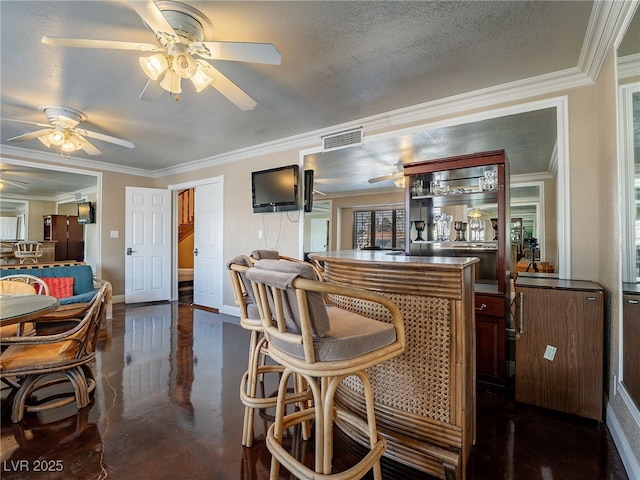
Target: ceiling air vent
point(348, 138)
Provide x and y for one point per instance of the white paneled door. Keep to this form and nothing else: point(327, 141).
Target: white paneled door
point(207, 245)
point(147, 245)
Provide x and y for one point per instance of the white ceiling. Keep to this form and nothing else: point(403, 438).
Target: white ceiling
point(341, 61)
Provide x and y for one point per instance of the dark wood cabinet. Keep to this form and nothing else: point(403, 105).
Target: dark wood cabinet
point(490, 338)
point(454, 186)
point(559, 345)
point(67, 234)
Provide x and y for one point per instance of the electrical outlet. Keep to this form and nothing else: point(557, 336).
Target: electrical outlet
point(259, 234)
point(550, 353)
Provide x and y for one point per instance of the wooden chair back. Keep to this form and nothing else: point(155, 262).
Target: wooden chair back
point(23, 283)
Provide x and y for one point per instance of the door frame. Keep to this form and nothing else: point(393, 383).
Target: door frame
point(175, 188)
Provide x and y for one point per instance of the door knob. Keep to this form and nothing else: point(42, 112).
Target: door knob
point(130, 251)
point(195, 252)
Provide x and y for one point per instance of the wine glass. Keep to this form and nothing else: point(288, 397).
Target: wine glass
point(457, 226)
point(419, 226)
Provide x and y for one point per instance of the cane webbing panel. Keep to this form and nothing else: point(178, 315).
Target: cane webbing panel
point(418, 380)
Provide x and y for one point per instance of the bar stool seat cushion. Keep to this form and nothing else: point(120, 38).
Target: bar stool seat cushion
point(350, 335)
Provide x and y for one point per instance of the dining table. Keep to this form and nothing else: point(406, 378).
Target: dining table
point(21, 308)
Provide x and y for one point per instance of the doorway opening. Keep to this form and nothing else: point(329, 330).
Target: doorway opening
point(186, 226)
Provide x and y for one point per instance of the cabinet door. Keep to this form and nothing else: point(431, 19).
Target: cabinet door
point(59, 235)
point(490, 339)
point(559, 348)
point(75, 239)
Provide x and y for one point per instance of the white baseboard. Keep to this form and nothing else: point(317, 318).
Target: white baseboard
point(630, 462)
point(234, 311)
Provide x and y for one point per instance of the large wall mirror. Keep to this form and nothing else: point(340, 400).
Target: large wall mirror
point(368, 176)
point(628, 59)
point(30, 191)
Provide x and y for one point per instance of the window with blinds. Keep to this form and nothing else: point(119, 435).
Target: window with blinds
point(383, 229)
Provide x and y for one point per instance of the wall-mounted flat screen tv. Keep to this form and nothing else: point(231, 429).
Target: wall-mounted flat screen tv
point(86, 213)
point(276, 189)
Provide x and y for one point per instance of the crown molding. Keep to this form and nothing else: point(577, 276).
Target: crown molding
point(607, 18)
point(629, 66)
point(11, 153)
point(500, 94)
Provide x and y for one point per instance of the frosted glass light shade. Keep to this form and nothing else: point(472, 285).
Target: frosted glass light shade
point(171, 82)
point(184, 65)
point(56, 138)
point(200, 79)
point(154, 65)
point(68, 147)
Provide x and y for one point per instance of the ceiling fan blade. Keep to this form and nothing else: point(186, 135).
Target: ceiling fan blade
point(31, 135)
point(15, 184)
point(105, 138)
point(152, 91)
point(153, 16)
point(227, 88)
point(390, 176)
point(112, 44)
point(239, 52)
point(85, 144)
point(25, 121)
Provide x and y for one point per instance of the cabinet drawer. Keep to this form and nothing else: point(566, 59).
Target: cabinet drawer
point(490, 305)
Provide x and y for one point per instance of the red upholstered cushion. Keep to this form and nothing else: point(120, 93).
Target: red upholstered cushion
point(60, 287)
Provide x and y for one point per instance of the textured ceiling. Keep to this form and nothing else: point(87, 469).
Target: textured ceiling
point(341, 61)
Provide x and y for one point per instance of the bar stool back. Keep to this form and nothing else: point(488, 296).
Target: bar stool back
point(257, 365)
point(323, 344)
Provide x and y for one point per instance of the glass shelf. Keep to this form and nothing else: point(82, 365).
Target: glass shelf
point(489, 196)
point(458, 245)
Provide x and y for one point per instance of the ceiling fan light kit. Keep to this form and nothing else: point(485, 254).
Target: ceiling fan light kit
point(180, 32)
point(62, 131)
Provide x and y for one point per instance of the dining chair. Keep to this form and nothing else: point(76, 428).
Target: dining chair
point(323, 344)
point(257, 365)
point(25, 285)
point(28, 250)
point(43, 361)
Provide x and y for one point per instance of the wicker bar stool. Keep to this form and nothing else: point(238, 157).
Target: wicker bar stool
point(323, 344)
point(257, 366)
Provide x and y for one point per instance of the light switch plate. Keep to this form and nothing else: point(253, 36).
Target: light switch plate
point(550, 353)
point(115, 233)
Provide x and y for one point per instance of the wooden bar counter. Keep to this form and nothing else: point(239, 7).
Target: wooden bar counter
point(425, 398)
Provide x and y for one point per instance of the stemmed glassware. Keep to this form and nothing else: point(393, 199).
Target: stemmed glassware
point(419, 226)
point(457, 226)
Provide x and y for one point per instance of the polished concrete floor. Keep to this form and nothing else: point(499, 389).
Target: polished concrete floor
point(166, 407)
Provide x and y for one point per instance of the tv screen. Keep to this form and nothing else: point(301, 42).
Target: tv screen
point(275, 190)
point(85, 213)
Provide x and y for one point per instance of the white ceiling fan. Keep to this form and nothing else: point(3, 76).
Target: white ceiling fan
point(397, 176)
point(182, 33)
point(62, 131)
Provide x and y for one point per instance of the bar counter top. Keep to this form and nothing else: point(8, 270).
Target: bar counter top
point(396, 257)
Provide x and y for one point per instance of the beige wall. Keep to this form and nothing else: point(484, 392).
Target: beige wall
point(35, 225)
